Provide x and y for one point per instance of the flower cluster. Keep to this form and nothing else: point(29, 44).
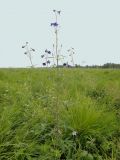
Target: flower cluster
point(45, 56)
point(46, 51)
point(54, 24)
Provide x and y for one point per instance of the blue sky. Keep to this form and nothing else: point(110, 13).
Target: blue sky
point(92, 27)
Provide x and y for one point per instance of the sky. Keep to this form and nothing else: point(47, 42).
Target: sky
point(92, 27)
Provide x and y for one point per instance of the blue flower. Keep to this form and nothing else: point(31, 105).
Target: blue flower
point(54, 24)
point(46, 50)
point(23, 46)
point(48, 62)
point(44, 64)
point(49, 52)
point(64, 64)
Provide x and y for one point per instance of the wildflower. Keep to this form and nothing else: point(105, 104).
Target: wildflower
point(23, 46)
point(54, 24)
point(49, 52)
point(74, 133)
point(28, 52)
point(64, 64)
point(48, 62)
point(44, 64)
point(46, 50)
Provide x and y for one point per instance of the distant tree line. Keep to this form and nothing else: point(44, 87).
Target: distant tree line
point(106, 65)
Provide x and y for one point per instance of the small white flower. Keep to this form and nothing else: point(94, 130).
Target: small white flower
point(74, 133)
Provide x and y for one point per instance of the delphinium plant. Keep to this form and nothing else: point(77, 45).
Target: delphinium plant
point(56, 47)
point(29, 51)
point(52, 58)
point(47, 56)
point(55, 58)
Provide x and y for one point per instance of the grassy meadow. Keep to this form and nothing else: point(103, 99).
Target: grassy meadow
point(59, 114)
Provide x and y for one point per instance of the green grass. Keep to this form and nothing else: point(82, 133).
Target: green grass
point(40, 109)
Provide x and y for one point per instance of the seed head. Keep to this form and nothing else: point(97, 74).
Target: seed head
point(42, 56)
point(59, 12)
point(33, 49)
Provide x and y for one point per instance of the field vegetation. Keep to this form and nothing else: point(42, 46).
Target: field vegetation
point(59, 114)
